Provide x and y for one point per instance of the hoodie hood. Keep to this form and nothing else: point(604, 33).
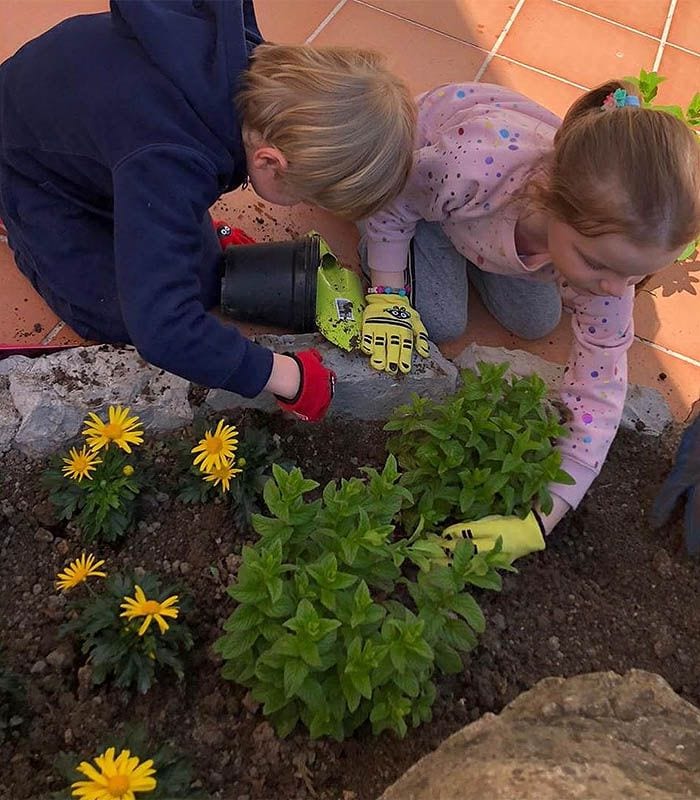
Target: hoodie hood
point(202, 46)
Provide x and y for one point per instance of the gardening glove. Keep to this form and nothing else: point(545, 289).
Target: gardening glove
point(519, 536)
point(316, 387)
point(683, 482)
point(229, 236)
point(390, 330)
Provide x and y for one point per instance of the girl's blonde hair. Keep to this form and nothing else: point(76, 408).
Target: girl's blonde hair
point(345, 124)
point(631, 170)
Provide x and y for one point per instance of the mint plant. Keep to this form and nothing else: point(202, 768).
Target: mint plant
point(487, 449)
point(339, 621)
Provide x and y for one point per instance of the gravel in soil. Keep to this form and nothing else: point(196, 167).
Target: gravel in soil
point(607, 594)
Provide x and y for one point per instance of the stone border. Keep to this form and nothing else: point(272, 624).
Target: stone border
point(44, 400)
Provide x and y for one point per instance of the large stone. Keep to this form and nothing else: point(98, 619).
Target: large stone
point(360, 391)
point(645, 408)
point(9, 416)
point(54, 393)
point(600, 736)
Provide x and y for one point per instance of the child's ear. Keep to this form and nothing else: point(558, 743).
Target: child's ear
point(270, 158)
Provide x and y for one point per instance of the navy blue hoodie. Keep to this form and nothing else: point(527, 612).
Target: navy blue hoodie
point(117, 133)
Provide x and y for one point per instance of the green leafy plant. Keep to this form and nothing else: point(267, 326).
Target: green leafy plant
point(103, 506)
point(257, 451)
point(339, 621)
point(13, 704)
point(173, 771)
point(487, 449)
point(648, 85)
point(110, 626)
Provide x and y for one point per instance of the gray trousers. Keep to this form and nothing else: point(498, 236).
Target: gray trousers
point(439, 278)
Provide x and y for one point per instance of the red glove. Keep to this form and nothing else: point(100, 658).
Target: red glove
point(316, 387)
point(229, 236)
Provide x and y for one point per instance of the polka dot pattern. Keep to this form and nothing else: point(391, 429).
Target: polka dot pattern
point(478, 143)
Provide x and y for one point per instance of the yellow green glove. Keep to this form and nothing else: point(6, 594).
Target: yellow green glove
point(390, 330)
point(519, 536)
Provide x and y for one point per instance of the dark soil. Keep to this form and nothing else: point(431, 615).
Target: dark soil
point(607, 594)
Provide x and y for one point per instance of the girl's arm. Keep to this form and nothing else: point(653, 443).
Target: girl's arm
point(594, 386)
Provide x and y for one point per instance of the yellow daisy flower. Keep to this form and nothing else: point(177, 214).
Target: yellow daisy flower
point(222, 475)
point(141, 606)
point(216, 448)
point(79, 464)
point(78, 571)
point(115, 778)
point(121, 429)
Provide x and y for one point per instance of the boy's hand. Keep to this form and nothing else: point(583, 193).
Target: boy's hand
point(519, 536)
point(316, 387)
point(390, 327)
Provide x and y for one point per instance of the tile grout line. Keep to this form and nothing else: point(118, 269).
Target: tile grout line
point(329, 17)
point(499, 41)
point(664, 34)
point(53, 333)
point(668, 351)
point(605, 19)
point(683, 49)
point(544, 72)
point(368, 4)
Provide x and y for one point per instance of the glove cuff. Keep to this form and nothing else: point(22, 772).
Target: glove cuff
point(316, 387)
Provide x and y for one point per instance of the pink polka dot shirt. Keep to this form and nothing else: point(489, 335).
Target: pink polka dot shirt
point(476, 146)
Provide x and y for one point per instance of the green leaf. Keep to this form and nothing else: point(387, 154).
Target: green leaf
point(295, 673)
point(467, 607)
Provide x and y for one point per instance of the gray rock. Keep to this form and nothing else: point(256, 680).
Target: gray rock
point(54, 393)
point(62, 657)
point(591, 737)
point(42, 535)
point(645, 408)
point(360, 392)
point(9, 416)
point(646, 411)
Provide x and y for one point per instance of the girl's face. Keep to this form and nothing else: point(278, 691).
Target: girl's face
point(603, 265)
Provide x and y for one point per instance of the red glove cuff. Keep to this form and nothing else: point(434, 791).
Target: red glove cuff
point(316, 387)
point(229, 236)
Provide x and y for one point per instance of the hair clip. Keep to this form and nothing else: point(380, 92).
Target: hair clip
point(619, 99)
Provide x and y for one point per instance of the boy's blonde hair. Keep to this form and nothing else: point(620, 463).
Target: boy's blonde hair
point(632, 170)
point(345, 124)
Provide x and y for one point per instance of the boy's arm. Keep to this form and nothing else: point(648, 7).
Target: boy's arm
point(161, 195)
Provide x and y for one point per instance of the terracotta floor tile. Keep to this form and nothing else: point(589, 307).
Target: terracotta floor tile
point(576, 46)
point(24, 317)
point(423, 58)
point(266, 222)
point(682, 71)
point(643, 15)
point(677, 380)
point(666, 309)
point(23, 20)
point(473, 21)
point(685, 26)
point(549, 92)
point(291, 21)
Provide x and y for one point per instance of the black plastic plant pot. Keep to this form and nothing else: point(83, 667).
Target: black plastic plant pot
point(272, 283)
